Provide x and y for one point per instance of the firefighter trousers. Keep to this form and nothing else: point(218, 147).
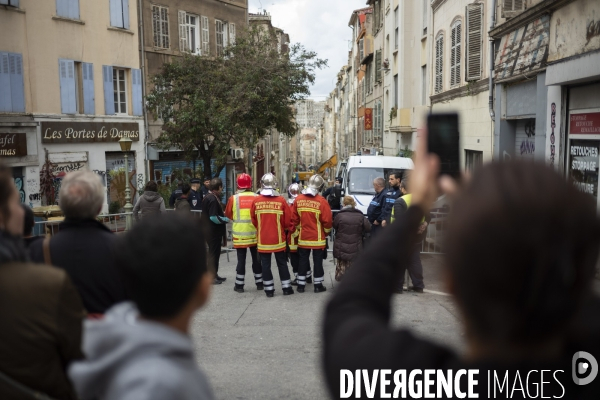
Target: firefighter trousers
point(284, 272)
point(241, 265)
point(304, 266)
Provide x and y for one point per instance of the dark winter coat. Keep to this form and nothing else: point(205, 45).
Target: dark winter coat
point(350, 225)
point(182, 205)
point(150, 203)
point(85, 249)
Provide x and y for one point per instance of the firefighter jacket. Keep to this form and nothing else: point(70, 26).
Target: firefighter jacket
point(238, 210)
point(293, 235)
point(312, 217)
point(271, 218)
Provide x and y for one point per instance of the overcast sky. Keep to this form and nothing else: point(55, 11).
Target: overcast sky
point(321, 26)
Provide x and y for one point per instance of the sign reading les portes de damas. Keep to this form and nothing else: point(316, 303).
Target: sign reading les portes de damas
point(88, 132)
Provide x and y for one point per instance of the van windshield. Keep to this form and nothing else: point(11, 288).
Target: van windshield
point(360, 180)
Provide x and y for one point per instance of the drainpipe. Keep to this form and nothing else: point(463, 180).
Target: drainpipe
point(143, 68)
point(491, 61)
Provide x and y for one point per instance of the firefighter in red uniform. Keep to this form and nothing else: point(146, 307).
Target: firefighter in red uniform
point(271, 217)
point(244, 232)
point(293, 192)
point(312, 215)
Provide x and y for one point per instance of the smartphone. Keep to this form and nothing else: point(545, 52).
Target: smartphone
point(444, 141)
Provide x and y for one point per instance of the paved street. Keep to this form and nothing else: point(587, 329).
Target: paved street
point(253, 347)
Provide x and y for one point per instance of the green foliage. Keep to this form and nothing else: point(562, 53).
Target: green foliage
point(209, 103)
point(114, 207)
point(406, 152)
point(393, 114)
point(165, 191)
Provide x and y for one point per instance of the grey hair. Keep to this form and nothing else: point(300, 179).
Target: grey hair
point(379, 181)
point(81, 195)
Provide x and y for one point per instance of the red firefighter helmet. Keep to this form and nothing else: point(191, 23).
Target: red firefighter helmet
point(244, 181)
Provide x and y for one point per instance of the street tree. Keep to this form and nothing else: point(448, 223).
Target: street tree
point(209, 103)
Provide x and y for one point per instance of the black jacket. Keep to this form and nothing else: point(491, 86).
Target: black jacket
point(376, 207)
point(174, 196)
point(390, 197)
point(358, 335)
point(195, 200)
point(85, 249)
point(212, 214)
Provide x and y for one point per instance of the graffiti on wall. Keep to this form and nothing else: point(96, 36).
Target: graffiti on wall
point(552, 137)
point(20, 188)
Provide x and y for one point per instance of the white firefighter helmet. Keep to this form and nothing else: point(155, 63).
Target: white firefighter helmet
point(294, 190)
point(269, 184)
point(315, 183)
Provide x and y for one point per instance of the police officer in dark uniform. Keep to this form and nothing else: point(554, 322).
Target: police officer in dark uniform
point(390, 197)
point(205, 188)
point(335, 194)
point(177, 193)
point(376, 206)
point(195, 196)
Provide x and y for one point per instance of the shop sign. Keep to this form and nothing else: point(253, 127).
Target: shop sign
point(368, 119)
point(585, 124)
point(88, 132)
point(583, 166)
point(13, 144)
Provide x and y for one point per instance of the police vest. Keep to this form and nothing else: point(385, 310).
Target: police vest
point(244, 233)
point(407, 199)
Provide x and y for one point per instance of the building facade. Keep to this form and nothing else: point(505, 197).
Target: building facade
point(67, 96)
point(309, 113)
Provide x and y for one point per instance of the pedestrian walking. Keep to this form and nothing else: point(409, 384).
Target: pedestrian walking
point(41, 313)
point(350, 227)
point(149, 203)
point(143, 348)
point(271, 217)
point(376, 206)
point(175, 194)
point(414, 266)
point(312, 216)
point(391, 195)
point(195, 196)
point(216, 221)
point(522, 246)
point(84, 247)
point(182, 204)
point(244, 232)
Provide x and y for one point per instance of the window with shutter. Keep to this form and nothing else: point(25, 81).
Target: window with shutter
point(89, 101)
point(68, 89)
point(439, 63)
point(231, 34)
point(183, 39)
point(160, 26)
point(455, 53)
point(361, 49)
point(67, 8)
point(120, 90)
point(12, 91)
point(119, 13)
point(512, 8)
point(378, 62)
point(192, 27)
point(205, 37)
point(136, 91)
point(474, 49)
point(109, 94)
point(219, 35)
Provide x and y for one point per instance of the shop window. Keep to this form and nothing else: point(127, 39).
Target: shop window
point(119, 13)
point(12, 92)
point(67, 8)
point(117, 175)
point(473, 160)
point(160, 27)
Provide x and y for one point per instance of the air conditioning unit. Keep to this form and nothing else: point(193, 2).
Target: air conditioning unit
point(237, 154)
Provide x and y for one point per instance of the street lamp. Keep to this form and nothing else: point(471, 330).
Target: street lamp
point(125, 144)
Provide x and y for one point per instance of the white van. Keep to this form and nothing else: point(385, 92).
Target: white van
point(360, 171)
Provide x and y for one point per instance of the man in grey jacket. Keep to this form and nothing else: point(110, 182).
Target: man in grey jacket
point(142, 350)
point(150, 203)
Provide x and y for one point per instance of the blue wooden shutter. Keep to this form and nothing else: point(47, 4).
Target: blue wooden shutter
point(68, 98)
point(17, 90)
point(136, 85)
point(73, 10)
point(5, 97)
point(109, 92)
point(116, 13)
point(62, 8)
point(125, 6)
point(89, 101)
point(14, 3)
